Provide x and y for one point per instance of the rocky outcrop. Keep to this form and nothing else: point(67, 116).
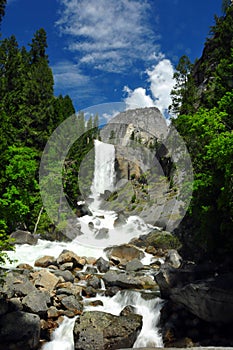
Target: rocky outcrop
point(24, 237)
point(200, 304)
point(19, 330)
point(100, 331)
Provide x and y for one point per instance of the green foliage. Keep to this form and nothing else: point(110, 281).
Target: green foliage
point(184, 93)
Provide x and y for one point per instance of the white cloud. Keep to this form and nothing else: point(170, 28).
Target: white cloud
point(66, 74)
point(161, 83)
point(108, 34)
point(137, 98)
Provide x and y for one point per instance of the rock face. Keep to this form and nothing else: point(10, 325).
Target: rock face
point(148, 122)
point(102, 331)
point(202, 293)
point(148, 152)
point(25, 336)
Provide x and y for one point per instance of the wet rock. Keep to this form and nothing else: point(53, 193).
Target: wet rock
point(124, 253)
point(36, 302)
point(45, 261)
point(89, 292)
point(17, 285)
point(126, 281)
point(24, 237)
point(67, 266)
point(91, 270)
point(66, 275)
point(53, 312)
point(173, 258)
point(157, 239)
point(120, 220)
point(129, 309)
point(206, 299)
point(111, 291)
point(102, 233)
point(96, 330)
point(26, 335)
point(24, 267)
point(72, 304)
point(134, 265)
point(102, 265)
point(94, 282)
point(70, 257)
point(95, 303)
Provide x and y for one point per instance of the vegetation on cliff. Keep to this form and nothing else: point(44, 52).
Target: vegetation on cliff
point(203, 101)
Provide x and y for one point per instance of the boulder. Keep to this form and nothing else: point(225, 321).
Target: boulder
point(127, 280)
point(173, 258)
point(95, 330)
point(45, 279)
point(102, 265)
point(94, 282)
point(120, 220)
point(210, 300)
point(19, 330)
point(134, 265)
point(45, 261)
point(68, 256)
point(124, 253)
point(24, 237)
point(72, 304)
point(66, 275)
point(102, 233)
point(16, 285)
point(36, 302)
point(200, 290)
point(157, 239)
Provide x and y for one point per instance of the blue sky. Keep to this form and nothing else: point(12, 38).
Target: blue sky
point(104, 51)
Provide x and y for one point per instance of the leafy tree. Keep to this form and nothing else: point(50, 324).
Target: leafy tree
point(20, 187)
point(183, 94)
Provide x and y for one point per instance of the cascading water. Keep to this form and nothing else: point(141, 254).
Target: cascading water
point(89, 243)
point(62, 338)
point(149, 308)
point(104, 175)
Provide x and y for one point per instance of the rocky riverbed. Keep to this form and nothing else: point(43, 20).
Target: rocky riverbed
point(197, 305)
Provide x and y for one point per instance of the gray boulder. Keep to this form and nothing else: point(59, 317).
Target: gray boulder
point(209, 300)
point(36, 302)
point(16, 285)
point(24, 237)
point(100, 331)
point(102, 265)
point(19, 330)
point(173, 258)
point(134, 265)
point(126, 280)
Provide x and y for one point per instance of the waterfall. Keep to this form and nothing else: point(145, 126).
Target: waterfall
point(62, 338)
point(148, 308)
point(104, 174)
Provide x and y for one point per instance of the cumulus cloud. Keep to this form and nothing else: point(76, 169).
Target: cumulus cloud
point(110, 35)
point(161, 83)
point(160, 78)
point(137, 98)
